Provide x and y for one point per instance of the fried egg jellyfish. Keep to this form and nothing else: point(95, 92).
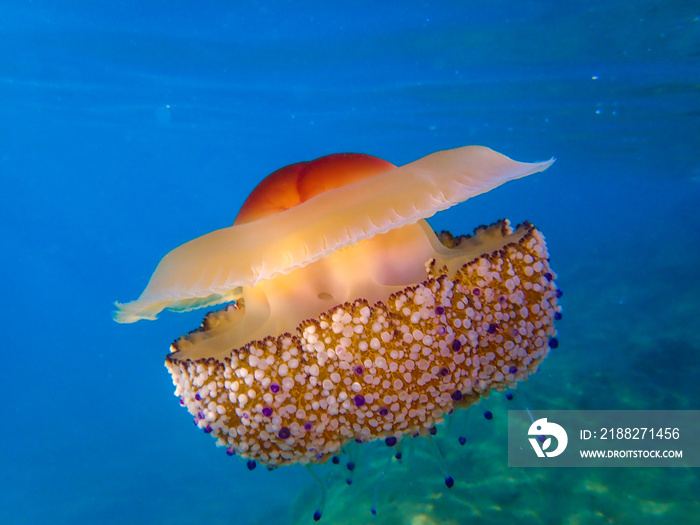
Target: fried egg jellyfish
point(346, 317)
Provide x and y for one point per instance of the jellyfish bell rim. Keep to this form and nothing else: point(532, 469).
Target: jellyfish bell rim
point(240, 256)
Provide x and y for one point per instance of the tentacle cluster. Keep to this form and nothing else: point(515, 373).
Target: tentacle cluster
point(388, 370)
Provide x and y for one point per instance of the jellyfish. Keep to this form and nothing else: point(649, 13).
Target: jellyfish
point(343, 316)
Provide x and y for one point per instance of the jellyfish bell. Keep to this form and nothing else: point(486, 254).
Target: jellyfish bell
point(348, 318)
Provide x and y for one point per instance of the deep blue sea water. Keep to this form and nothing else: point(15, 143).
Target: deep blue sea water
point(129, 128)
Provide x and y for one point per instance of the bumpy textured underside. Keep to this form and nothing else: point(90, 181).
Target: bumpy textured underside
point(387, 370)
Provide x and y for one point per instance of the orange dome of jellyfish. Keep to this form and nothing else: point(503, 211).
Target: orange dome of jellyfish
point(348, 318)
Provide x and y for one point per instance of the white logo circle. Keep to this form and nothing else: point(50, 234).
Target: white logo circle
point(541, 442)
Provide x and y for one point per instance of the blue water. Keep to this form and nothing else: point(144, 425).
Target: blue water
point(129, 128)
